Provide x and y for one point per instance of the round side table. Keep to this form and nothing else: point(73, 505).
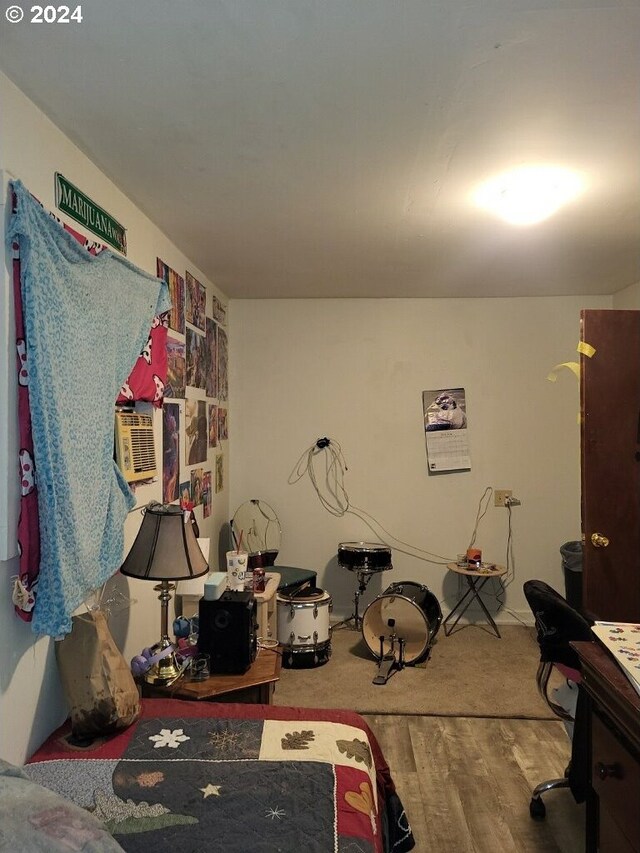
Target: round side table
point(476, 579)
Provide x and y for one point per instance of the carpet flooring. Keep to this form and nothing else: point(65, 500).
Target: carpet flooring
point(471, 673)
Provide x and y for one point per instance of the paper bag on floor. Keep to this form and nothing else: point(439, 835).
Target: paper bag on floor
point(96, 678)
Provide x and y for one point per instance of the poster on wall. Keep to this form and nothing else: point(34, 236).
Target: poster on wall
point(213, 425)
point(170, 452)
point(176, 368)
point(176, 289)
point(223, 357)
point(195, 301)
point(219, 473)
point(211, 358)
point(223, 427)
point(446, 430)
point(219, 311)
point(195, 431)
point(207, 497)
point(196, 359)
point(196, 486)
point(185, 492)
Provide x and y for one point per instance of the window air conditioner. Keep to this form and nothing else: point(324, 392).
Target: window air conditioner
point(135, 447)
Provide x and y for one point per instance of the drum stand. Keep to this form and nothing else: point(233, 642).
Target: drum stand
point(364, 576)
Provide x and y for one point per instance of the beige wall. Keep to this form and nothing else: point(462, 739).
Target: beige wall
point(31, 704)
point(627, 299)
point(354, 370)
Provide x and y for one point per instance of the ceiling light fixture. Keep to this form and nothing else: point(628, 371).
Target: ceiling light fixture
point(528, 194)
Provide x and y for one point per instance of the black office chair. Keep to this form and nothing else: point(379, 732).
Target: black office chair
point(557, 625)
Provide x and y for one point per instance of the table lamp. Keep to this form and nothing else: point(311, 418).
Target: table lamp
point(165, 550)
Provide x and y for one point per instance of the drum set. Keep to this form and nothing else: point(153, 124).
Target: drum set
point(400, 625)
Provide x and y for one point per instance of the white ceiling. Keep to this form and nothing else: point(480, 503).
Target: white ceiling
point(308, 148)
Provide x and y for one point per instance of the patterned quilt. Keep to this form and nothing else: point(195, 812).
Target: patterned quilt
point(198, 777)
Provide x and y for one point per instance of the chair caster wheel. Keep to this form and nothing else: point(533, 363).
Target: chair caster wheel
point(537, 808)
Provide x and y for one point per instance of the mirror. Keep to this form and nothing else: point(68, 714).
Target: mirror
point(259, 526)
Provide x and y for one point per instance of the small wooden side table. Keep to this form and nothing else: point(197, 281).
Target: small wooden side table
point(266, 614)
point(256, 685)
point(476, 579)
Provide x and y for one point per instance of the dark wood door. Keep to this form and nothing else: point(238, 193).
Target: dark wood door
point(610, 445)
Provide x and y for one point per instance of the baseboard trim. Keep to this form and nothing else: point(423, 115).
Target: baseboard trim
point(504, 617)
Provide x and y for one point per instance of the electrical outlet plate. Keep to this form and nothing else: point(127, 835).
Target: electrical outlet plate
point(500, 496)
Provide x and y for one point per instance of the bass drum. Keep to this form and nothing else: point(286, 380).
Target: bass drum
point(417, 616)
point(304, 631)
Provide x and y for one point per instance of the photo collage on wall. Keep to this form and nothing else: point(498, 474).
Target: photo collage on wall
point(193, 422)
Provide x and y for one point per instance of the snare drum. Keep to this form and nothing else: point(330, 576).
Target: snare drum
point(303, 627)
point(417, 617)
point(364, 556)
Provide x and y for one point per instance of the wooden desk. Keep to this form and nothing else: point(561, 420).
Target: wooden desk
point(256, 685)
point(476, 579)
point(613, 733)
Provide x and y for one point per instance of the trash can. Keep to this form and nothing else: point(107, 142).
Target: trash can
point(572, 568)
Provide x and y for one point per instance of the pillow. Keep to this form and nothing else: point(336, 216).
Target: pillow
point(34, 819)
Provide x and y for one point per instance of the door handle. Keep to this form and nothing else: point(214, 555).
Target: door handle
point(598, 540)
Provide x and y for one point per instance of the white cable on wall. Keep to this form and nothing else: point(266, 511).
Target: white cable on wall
point(333, 495)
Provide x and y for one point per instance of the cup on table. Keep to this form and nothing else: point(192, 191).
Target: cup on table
point(199, 667)
point(474, 558)
point(236, 569)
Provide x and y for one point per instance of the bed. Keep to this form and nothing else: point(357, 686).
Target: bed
point(190, 776)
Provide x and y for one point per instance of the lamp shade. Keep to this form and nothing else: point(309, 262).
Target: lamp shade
point(165, 548)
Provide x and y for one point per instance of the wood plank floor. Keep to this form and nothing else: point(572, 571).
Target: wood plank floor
point(466, 783)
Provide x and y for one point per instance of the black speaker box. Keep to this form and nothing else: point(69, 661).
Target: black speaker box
point(227, 632)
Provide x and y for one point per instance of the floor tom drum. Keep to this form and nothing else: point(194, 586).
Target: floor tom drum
point(304, 631)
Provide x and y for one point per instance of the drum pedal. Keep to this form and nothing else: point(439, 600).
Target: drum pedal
point(385, 669)
point(388, 662)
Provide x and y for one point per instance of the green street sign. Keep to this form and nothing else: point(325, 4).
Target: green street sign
point(78, 206)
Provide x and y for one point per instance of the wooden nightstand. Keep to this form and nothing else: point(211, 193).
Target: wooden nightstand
point(266, 613)
point(256, 685)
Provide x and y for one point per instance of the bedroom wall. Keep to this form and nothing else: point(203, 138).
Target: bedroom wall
point(627, 299)
point(354, 370)
point(31, 702)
